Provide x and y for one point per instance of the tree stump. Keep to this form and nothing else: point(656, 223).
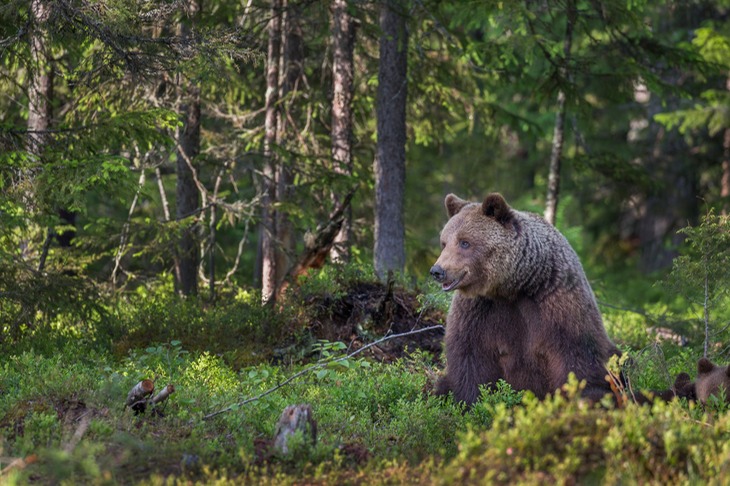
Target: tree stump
point(136, 399)
point(295, 418)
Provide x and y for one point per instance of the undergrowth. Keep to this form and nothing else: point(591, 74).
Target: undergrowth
point(63, 419)
point(377, 423)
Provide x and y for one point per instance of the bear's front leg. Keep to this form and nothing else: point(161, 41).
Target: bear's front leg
point(464, 376)
point(443, 386)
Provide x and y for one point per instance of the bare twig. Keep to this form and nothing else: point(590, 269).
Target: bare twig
point(706, 306)
point(319, 366)
point(204, 193)
point(125, 229)
point(46, 246)
point(237, 260)
point(163, 195)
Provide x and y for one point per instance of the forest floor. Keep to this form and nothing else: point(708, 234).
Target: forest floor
point(369, 309)
point(63, 418)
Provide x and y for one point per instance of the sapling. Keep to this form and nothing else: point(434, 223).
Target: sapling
point(700, 274)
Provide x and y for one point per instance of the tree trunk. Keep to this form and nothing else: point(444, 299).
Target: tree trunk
point(725, 180)
point(268, 216)
point(291, 73)
point(188, 138)
point(669, 202)
point(390, 157)
point(40, 93)
point(40, 89)
point(343, 35)
point(556, 154)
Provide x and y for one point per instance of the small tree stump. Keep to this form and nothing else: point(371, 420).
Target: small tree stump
point(163, 395)
point(293, 419)
point(136, 399)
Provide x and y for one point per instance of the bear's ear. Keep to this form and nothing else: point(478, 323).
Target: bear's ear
point(496, 207)
point(454, 204)
point(704, 366)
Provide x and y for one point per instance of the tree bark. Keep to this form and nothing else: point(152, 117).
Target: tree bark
point(40, 94)
point(556, 154)
point(291, 73)
point(343, 36)
point(670, 202)
point(188, 136)
point(268, 216)
point(725, 179)
point(390, 158)
point(40, 89)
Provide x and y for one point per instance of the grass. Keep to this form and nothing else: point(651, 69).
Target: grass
point(376, 424)
point(63, 420)
point(362, 412)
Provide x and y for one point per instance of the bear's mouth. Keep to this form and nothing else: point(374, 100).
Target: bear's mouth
point(448, 286)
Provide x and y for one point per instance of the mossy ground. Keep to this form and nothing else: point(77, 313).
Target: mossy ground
point(63, 420)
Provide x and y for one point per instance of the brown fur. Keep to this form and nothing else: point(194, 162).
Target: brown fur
point(683, 387)
point(711, 380)
point(522, 311)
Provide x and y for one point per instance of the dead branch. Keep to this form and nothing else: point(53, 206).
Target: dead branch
point(318, 245)
point(18, 463)
point(320, 366)
point(125, 228)
point(163, 194)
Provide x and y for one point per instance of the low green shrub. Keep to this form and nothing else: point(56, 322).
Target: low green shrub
point(566, 440)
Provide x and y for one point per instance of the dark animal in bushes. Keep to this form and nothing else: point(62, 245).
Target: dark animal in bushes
point(683, 387)
point(712, 380)
point(522, 309)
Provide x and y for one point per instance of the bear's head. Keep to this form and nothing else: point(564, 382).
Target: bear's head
point(478, 247)
point(712, 380)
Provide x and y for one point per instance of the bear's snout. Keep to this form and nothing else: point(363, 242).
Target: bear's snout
point(438, 273)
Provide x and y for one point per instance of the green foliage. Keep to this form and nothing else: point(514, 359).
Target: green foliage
point(711, 111)
point(335, 279)
point(50, 307)
point(700, 274)
point(627, 328)
point(482, 412)
point(157, 315)
point(564, 439)
point(483, 79)
point(374, 420)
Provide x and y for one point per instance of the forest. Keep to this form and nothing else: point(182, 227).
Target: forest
point(219, 221)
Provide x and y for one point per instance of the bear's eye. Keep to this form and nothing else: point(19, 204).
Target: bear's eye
point(464, 244)
point(443, 245)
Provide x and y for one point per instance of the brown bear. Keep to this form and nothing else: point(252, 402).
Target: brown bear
point(712, 380)
point(522, 311)
point(683, 387)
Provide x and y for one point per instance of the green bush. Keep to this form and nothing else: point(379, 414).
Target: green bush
point(566, 440)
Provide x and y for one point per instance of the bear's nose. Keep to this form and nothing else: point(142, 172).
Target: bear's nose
point(438, 273)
